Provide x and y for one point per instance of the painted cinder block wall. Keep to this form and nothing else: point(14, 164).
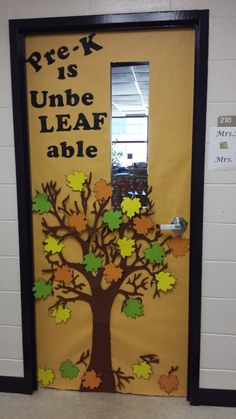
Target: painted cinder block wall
point(218, 339)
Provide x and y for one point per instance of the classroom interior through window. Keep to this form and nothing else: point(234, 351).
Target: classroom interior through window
point(129, 131)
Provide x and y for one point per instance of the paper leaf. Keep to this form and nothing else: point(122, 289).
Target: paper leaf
point(165, 281)
point(178, 246)
point(68, 369)
point(155, 253)
point(42, 289)
point(143, 224)
point(61, 314)
point(78, 222)
point(76, 180)
point(131, 206)
point(126, 246)
point(142, 370)
point(45, 376)
point(52, 245)
point(102, 190)
point(91, 380)
point(63, 274)
point(168, 383)
point(133, 308)
point(113, 219)
point(92, 262)
point(112, 273)
point(41, 203)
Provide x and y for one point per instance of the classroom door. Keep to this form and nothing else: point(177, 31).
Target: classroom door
point(111, 286)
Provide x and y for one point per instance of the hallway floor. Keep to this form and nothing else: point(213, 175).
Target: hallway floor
point(50, 404)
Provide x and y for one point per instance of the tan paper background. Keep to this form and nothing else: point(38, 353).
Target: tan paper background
point(164, 328)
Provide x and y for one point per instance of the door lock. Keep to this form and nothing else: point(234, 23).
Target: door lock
point(178, 224)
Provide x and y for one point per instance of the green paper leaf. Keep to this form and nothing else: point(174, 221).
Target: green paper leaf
point(155, 253)
point(142, 370)
point(126, 246)
point(113, 219)
point(133, 308)
point(92, 262)
point(41, 203)
point(45, 376)
point(68, 369)
point(53, 245)
point(165, 281)
point(131, 206)
point(42, 289)
point(61, 314)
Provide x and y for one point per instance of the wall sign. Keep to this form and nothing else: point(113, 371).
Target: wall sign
point(226, 121)
point(222, 148)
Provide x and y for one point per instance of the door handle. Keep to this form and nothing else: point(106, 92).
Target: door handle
point(178, 224)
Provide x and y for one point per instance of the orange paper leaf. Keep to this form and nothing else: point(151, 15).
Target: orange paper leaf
point(168, 383)
point(78, 222)
point(64, 274)
point(91, 380)
point(102, 190)
point(112, 273)
point(142, 224)
point(178, 246)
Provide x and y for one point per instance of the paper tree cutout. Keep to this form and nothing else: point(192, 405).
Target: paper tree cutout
point(122, 254)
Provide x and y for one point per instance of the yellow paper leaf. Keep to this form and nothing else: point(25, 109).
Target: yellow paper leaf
point(126, 246)
point(142, 370)
point(76, 180)
point(165, 281)
point(45, 376)
point(52, 245)
point(131, 206)
point(61, 314)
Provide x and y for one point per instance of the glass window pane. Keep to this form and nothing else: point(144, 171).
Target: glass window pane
point(129, 131)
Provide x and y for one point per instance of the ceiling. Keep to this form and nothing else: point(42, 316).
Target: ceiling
point(130, 89)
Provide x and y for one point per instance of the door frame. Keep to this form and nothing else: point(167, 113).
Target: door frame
point(197, 19)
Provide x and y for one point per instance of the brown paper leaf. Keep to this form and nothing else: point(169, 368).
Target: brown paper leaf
point(178, 246)
point(78, 222)
point(143, 224)
point(168, 383)
point(64, 274)
point(102, 190)
point(112, 273)
point(91, 380)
